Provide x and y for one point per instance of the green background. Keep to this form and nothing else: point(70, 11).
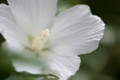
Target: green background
point(102, 64)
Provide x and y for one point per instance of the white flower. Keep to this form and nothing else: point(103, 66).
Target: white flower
point(50, 44)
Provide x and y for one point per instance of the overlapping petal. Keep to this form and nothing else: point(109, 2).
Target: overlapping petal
point(47, 63)
point(76, 31)
point(64, 66)
point(13, 34)
point(33, 15)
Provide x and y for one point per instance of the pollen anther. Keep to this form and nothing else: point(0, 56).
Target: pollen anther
point(38, 43)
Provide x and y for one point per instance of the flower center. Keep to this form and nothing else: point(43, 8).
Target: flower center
point(38, 43)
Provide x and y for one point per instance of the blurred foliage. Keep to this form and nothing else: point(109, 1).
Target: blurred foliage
point(108, 10)
point(102, 64)
point(6, 67)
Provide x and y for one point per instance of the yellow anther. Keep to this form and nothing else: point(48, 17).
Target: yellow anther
point(44, 33)
point(38, 43)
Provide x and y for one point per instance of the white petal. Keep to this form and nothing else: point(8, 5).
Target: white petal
point(9, 29)
point(33, 15)
point(76, 31)
point(65, 66)
point(47, 63)
point(28, 62)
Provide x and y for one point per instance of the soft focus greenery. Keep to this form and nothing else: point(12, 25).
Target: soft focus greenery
point(102, 64)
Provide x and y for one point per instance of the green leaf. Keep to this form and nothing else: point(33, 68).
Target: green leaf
point(6, 67)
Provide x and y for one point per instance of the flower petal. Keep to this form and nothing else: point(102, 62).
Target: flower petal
point(65, 66)
point(76, 31)
point(33, 15)
point(47, 63)
point(10, 30)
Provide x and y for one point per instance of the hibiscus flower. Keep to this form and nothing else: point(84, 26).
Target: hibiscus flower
point(42, 42)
